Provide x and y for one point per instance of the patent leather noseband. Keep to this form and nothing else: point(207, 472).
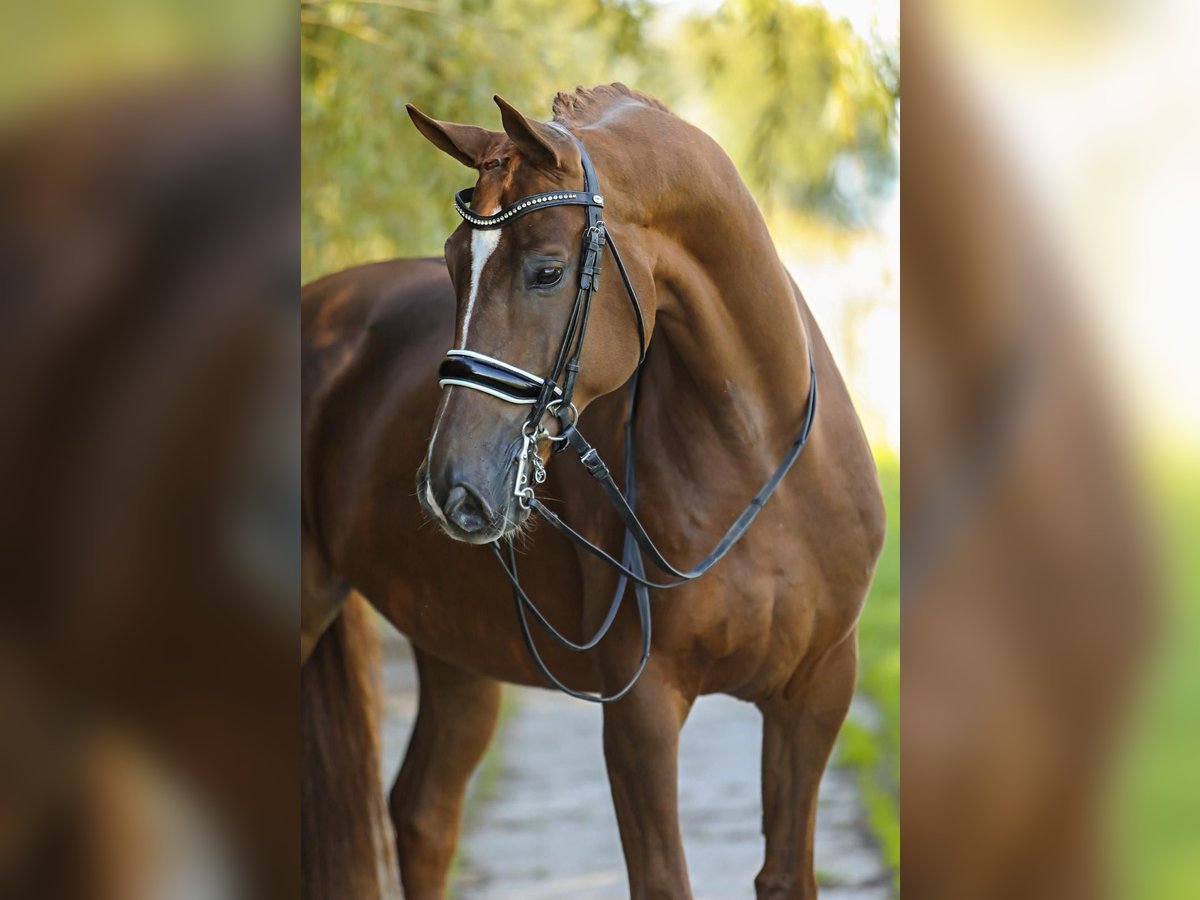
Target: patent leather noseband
point(553, 394)
point(492, 376)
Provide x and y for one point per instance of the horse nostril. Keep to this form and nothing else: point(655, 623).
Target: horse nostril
point(467, 510)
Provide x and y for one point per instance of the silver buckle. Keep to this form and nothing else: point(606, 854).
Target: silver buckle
point(552, 408)
point(528, 457)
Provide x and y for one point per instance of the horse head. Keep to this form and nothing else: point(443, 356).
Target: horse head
point(518, 285)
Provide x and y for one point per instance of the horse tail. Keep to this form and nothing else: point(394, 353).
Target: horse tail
point(344, 844)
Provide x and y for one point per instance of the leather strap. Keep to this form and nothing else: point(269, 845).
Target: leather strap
point(597, 469)
point(566, 365)
point(631, 561)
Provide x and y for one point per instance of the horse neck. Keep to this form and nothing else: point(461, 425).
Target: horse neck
point(728, 373)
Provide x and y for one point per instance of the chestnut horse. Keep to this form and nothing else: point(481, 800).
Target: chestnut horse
point(724, 392)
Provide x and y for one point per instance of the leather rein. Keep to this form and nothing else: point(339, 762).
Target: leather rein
point(466, 368)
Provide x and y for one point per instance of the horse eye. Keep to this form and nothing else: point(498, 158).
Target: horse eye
point(548, 276)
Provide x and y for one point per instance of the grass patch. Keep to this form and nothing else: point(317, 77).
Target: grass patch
point(873, 749)
point(1157, 820)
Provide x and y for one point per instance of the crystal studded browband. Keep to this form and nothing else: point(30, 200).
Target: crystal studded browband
point(462, 204)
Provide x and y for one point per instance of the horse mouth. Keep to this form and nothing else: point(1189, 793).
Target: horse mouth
point(476, 528)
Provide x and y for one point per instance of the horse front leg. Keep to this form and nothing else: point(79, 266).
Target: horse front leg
point(641, 746)
point(455, 720)
point(800, 726)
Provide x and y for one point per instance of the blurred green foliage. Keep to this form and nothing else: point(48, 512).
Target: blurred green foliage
point(871, 744)
point(1158, 815)
point(372, 186)
point(807, 109)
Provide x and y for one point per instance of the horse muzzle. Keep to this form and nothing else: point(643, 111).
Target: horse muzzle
point(468, 511)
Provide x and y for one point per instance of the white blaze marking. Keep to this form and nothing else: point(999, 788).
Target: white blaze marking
point(433, 504)
point(483, 245)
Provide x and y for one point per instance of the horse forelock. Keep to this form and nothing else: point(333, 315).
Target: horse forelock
point(489, 190)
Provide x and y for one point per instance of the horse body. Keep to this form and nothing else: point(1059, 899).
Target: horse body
point(723, 394)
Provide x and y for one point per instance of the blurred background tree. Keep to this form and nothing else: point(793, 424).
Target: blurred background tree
point(372, 187)
point(806, 106)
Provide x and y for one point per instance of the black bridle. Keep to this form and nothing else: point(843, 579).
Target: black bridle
point(492, 376)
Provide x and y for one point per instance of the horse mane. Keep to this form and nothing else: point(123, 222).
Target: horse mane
point(584, 106)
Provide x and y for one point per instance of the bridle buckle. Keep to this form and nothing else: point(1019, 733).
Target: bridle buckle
point(528, 459)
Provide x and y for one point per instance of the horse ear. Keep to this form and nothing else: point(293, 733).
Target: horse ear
point(466, 143)
point(539, 142)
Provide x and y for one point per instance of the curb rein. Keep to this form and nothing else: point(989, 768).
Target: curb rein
point(466, 368)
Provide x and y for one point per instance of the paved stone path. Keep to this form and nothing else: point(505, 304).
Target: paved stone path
point(546, 829)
